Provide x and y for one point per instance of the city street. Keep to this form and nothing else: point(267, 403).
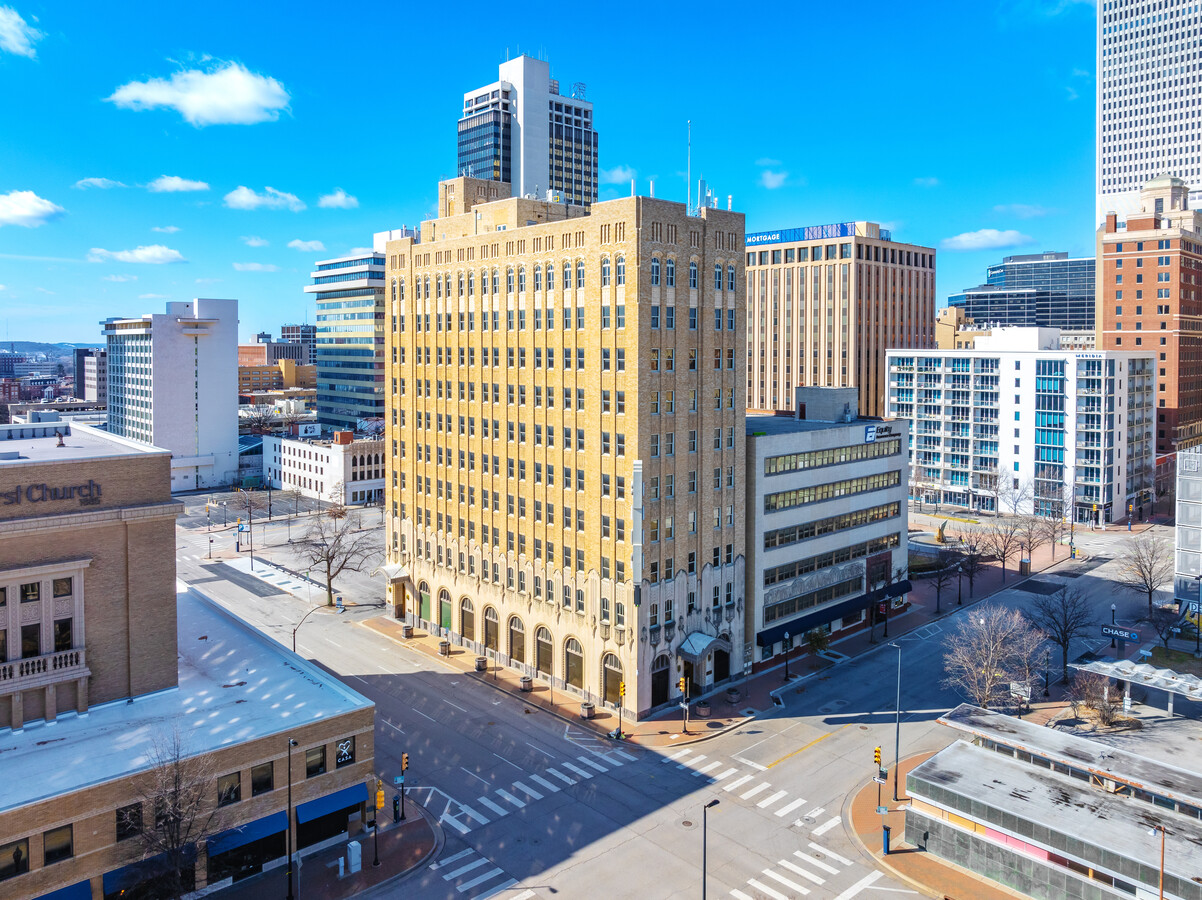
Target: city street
point(534, 806)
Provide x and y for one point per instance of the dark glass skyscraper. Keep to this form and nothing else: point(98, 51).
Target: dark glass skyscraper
point(1045, 289)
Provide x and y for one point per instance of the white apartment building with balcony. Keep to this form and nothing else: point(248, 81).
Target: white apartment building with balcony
point(1019, 425)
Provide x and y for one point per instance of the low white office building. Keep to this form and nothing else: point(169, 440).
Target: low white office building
point(827, 519)
point(346, 469)
point(1020, 425)
point(173, 383)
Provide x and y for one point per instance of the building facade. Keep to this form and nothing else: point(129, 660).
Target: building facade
point(344, 470)
point(279, 376)
point(96, 377)
point(1187, 584)
point(102, 661)
point(824, 303)
point(269, 352)
point(1151, 123)
point(1018, 425)
point(826, 522)
point(1151, 266)
point(172, 384)
point(350, 339)
point(565, 439)
point(1048, 290)
point(522, 131)
point(301, 334)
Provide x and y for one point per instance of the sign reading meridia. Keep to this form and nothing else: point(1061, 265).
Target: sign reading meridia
point(87, 494)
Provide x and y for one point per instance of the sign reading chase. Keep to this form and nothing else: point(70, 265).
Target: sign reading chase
point(87, 494)
point(1123, 634)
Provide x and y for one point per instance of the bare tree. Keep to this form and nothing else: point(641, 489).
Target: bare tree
point(1029, 648)
point(1092, 690)
point(1002, 539)
point(181, 792)
point(943, 576)
point(1032, 532)
point(1146, 566)
point(333, 545)
point(337, 501)
point(983, 654)
point(1063, 616)
point(258, 419)
point(1163, 620)
point(1054, 528)
point(1014, 493)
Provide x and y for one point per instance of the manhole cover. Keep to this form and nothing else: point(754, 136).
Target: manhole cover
point(809, 820)
point(686, 824)
point(863, 728)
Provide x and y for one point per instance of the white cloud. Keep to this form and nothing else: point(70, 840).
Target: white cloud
point(256, 267)
point(358, 251)
point(16, 35)
point(617, 175)
point(1021, 210)
point(307, 246)
point(207, 280)
point(767, 162)
point(244, 198)
point(102, 183)
point(3, 287)
point(928, 182)
point(153, 296)
point(1070, 93)
point(42, 290)
point(340, 199)
point(155, 254)
point(166, 229)
point(119, 278)
point(227, 94)
point(27, 209)
point(253, 241)
point(772, 180)
point(173, 184)
point(986, 239)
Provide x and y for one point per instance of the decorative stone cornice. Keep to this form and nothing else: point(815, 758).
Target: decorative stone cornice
point(90, 519)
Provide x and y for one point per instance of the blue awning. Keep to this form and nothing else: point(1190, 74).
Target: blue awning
point(323, 806)
point(823, 614)
point(135, 873)
point(233, 838)
point(80, 891)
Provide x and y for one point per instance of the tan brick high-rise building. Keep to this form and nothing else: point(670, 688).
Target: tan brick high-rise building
point(825, 303)
point(564, 435)
point(1148, 300)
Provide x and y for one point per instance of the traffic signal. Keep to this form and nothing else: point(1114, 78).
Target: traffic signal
point(404, 761)
point(621, 688)
point(680, 684)
point(379, 794)
point(876, 756)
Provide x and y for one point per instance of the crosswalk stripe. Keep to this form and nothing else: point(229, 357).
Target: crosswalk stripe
point(483, 878)
point(450, 859)
point(708, 768)
point(815, 812)
point(791, 885)
point(691, 762)
point(855, 889)
point(625, 756)
point(817, 863)
point(776, 895)
point(472, 865)
point(826, 826)
point(548, 785)
point(448, 819)
point(577, 770)
point(762, 786)
point(671, 757)
point(793, 867)
point(589, 762)
point(525, 790)
point(830, 853)
point(725, 774)
point(499, 810)
point(468, 811)
point(738, 781)
point(768, 801)
point(512, 799)
point(525, 895)
point(564, 778)
point(789, 807)
point(739, 895)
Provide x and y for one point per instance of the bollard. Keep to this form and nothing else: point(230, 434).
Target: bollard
point(885, 839)
point(341, 867)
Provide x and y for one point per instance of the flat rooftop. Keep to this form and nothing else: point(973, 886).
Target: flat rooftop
point(1063, 805)
point(37, 443)
point(794, 425)
point(235, 685)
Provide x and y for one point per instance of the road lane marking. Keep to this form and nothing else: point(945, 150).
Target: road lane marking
point(548, 785)
point(455, 823)
point(762, 786)
point(736, 783)
point(739, 895)
point(424, 716)
point(525, 895)
point(796, 869)
point(689, 764)
point(763, 888)
point(472, 814)
point(625, 756)
point(815, 812)
point(512, 799)
point(768, 801)
point(507, 762)
point(540, 750)
point(827, 826)
point(499, 810)
point(472, 865)
point(589, 762)
point(789, 807)
point(390, 725)
point(822, 737)
point(483, 878)
point(855, 889)
point(810, 861)
point(577, 770)
point(672, 757)
point(449, 703)
point(725, 774)
point(450, 859)
point(832, 854)
point(564, 778)
point(791, 885)
point(477, 777)
point(526, 790)
point(748, 762)
point(708, 768)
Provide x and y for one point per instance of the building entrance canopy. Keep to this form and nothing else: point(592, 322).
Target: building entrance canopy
point(698, 644)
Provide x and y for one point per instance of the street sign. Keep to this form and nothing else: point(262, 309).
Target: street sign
point(398, 779)
point(1123, 634)
point(879, 780)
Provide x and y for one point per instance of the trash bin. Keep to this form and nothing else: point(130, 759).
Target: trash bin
point(481, 663)
point(527, 683)
point(587, 710)
point(406, 631)
point(1024, 567)
point(444, 648)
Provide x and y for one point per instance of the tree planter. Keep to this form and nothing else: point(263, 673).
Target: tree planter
point(406, 631)
point(444, 648)
point(732, 695)
point(702, 710)
point(527, 684)
point(481, 663)
point(587, 710)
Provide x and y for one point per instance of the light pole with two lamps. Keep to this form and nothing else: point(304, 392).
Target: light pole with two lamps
point(704, 834)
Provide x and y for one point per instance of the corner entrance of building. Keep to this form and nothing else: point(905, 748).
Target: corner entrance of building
point(661, 680)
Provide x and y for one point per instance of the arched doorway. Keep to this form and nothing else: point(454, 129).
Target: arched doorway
point(423, 604)
point(721, 661)
point(611, 679)
point(573, 663)
point(517, 640)
point(491, 626)
point(543, 652)
point(444, 609)
point(467, 619)
point(661, 679)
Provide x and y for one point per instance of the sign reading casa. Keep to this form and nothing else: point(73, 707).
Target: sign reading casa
point(87, 494)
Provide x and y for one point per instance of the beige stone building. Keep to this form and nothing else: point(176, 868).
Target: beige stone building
point(825, 303)
point(565, 438)
point(102, 658)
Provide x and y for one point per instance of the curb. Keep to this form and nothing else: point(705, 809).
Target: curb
point(878, 862)
point(389, 884)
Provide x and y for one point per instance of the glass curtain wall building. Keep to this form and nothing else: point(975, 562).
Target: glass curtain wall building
point(1048, 290)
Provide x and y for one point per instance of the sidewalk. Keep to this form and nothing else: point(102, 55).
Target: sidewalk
point(403, 848)
point(923, 871)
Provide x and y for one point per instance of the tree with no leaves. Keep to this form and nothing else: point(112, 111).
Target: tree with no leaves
point(1014, 493)
point(943, 576)
point(1063, 617)
point(1032, 533)
point(1054, 528)
point(1002, 539)
point(989, 483)
point(970, 562)
point(1147, 566)
point(985, 653)
point(1163, 620)
point(333, 546)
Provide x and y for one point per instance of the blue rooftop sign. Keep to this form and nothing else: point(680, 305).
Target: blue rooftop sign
point(809, 233)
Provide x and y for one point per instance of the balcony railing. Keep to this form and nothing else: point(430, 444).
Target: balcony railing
point(22, 674)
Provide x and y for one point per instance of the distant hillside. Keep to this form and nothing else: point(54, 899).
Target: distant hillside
point(54, 350)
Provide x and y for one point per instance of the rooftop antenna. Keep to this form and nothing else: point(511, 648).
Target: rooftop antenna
point(688, 173)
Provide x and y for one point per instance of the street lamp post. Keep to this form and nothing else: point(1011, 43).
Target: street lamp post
point(786, 645)
point(704, 834)
point(1047, 670)
point(291, 744)
point(897, 721)
point(300, 623)
point(1113, 608)
point(210, 548)
point(1163, 831)
point(960, 584)
point(224, 516)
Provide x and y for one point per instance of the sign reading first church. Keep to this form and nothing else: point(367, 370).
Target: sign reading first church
point(87, 494)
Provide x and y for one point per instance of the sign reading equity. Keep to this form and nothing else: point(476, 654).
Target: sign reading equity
point(87, 494)
point(1123, 634)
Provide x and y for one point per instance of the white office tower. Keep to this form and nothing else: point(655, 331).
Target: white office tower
point(521, 130)
point(173, 383)
point(1149, 112)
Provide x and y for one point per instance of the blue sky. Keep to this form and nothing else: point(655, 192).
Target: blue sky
point(137, 149)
